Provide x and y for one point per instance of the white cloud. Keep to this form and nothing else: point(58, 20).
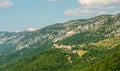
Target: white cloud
point(82, 12)
point(94, 7)
point(77, 12)
point(17, 31)
point(31, 29)
point(5, 3)
point(97, 2)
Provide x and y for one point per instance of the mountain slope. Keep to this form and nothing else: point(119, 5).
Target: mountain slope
point(45, 61)
point(110, 63)
point(56, 60)
point(80, 43)
point(107, 28)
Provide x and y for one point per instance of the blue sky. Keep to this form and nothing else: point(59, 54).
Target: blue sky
point(18, 15)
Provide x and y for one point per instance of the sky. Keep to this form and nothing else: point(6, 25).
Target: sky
point(19, 15)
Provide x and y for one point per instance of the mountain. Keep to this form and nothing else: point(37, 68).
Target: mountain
point(20, 40)
point(71, 46)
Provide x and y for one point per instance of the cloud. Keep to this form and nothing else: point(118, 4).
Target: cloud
point(94, 7)
point(17, 31)
point(77, 12)
point(31, 29)
point(5, 3)
point(97, 2)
